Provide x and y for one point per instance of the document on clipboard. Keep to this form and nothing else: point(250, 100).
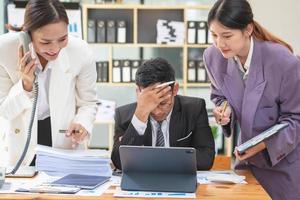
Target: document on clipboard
point(262, 136)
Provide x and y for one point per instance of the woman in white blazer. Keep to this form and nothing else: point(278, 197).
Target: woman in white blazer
point(66, 78)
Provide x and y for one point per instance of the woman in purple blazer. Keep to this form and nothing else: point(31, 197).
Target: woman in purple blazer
point(259, 77)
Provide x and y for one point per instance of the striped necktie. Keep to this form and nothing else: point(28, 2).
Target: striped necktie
point(159, 136)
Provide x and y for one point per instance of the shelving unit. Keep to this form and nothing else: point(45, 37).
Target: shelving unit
point(141, 32)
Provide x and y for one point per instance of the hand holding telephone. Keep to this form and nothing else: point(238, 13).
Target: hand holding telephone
point(28, 79)
point(27, 64)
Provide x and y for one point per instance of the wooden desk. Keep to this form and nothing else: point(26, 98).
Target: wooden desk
point(252, 190)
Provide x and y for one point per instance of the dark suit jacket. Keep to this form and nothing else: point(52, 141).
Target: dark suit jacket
point(189, 115)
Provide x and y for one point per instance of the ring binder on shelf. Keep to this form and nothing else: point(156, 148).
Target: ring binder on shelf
point(201, 32)
point(191, 33)
point(121, 31)
point(111, 31)
point(126, 71)
point(134, 67)
point(101, 31)
point(201, 72)
point(105, 72)
point(191, 71)
point(99, 71)
point(91, 31)
point(117, 71)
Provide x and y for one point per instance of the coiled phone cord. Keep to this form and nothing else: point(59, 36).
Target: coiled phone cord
point(35, 93)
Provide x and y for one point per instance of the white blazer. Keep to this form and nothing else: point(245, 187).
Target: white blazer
point(72, 96)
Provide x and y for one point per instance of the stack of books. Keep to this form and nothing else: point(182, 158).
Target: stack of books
point(59, 162)
point(170, 32)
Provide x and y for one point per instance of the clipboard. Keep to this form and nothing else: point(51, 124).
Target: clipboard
point(259, 138)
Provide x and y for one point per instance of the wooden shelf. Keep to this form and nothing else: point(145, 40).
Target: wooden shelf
point(116, 84)
point(198, 45)
point(141, 29)
point(138, 6)
point(198, 84)
point(135, 45)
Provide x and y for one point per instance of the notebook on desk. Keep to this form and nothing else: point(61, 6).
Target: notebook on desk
point(158, 169)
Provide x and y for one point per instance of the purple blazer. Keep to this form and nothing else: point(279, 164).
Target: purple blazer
point(270, 95)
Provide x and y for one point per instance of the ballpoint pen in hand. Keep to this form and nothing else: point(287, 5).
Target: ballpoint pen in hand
point(65, 131)
point(223, 110)
point(165, 84)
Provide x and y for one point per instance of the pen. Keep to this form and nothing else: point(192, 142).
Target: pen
point(164, 84)
point(223, 110)
point(64, 131)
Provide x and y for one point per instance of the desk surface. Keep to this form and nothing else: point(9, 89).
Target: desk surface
point(252, 190)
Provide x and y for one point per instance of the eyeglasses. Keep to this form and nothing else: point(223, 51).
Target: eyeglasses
point(165, 105)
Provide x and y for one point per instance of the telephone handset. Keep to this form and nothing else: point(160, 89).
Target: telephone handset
point(25, 40)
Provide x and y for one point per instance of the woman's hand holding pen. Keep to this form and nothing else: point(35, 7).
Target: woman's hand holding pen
point(77, 133)
point(27, 67)
point(250, 152)
point(222, 113)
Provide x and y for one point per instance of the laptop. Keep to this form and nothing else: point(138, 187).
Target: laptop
point(158, 169)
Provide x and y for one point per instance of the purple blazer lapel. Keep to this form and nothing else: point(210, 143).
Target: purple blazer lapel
point(255, 85)
point(233, 86)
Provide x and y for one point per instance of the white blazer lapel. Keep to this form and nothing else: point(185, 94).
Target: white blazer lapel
point(59, 88)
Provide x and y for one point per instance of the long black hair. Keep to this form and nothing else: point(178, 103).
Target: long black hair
point(237, 14)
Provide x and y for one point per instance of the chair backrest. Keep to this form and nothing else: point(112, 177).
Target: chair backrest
point(222, 163)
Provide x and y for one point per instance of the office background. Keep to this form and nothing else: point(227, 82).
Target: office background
point(281, 18)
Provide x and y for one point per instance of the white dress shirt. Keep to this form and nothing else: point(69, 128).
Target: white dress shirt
point(245, 69)
point(43, 109)
point(140, 127)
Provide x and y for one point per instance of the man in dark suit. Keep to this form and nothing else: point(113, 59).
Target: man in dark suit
point(160, 117)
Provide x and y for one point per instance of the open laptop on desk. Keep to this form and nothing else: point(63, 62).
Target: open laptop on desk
point(161, 169)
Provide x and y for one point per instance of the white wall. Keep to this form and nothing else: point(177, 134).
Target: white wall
point(282, 18)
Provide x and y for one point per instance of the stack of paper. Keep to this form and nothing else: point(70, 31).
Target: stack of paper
point(208, 177)
point(170, 32)
point(59, 162)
